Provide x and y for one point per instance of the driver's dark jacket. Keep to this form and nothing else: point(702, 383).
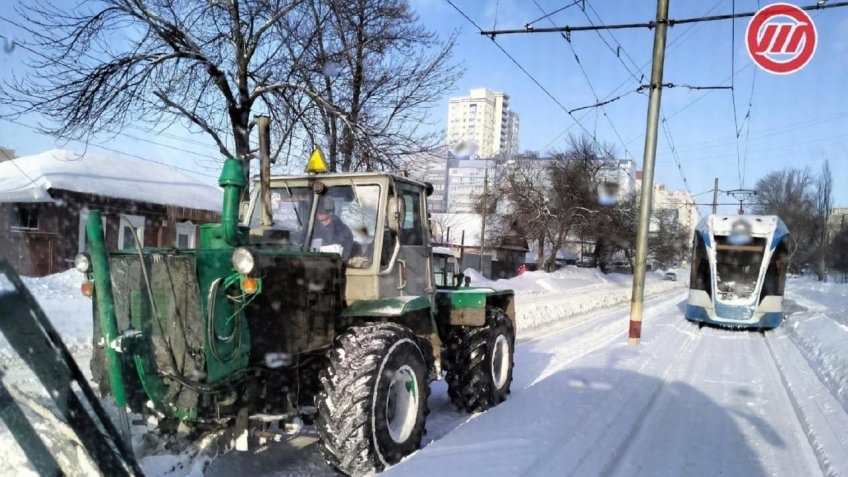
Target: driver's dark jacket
point(336, 233)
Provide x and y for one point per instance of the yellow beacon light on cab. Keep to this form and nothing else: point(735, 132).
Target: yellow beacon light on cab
point(316, 162)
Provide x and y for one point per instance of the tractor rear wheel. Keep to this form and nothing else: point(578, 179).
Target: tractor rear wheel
point(373, 403)
point(480, 361)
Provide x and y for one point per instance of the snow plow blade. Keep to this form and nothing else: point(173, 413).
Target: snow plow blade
point(34, 338)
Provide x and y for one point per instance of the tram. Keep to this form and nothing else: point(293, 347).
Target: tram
point(738, 271)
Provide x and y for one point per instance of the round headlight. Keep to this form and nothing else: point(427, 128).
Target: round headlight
point(243, 260)
point(82, 262)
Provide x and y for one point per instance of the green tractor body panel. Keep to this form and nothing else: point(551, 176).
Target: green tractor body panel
point(387, 307)
point(466, 306)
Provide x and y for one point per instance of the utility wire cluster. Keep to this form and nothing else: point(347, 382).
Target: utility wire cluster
point(671, 22)
point(663, 120)
point(598, 103)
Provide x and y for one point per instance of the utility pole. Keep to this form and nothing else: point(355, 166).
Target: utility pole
point(485, 211)
point(462, 251)
point(638, 298)
point(715, 195)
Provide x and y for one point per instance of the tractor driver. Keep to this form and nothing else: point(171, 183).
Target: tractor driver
point(330, 229)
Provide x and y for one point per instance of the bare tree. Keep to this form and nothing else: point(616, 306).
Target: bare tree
point(824, 206)
point(552, 198)
point(789, 195)
point(668, 241)
point(520, 186)
point(383, 69)
point(615, 232)
point(573, 198)
point(103, 65)
point(838, 251)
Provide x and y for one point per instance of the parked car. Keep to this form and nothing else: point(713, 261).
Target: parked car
point(672, 276)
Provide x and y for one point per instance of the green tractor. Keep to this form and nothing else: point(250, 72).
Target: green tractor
point(318, 300)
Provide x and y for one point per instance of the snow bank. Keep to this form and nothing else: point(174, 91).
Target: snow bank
point(547, 299)
point(821, 331)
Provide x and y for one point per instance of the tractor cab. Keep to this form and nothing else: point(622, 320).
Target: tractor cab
point(376, 222)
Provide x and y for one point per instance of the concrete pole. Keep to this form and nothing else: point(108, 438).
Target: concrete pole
point(485, 210)
point(638, 298)
point(715, 195)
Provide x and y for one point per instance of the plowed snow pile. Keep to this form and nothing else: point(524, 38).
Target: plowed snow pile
point(549, 300)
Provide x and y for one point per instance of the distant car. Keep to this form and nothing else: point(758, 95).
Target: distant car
point(672, 276)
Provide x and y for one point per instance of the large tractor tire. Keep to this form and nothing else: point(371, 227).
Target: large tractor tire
point(480, 359)
point(373, 403)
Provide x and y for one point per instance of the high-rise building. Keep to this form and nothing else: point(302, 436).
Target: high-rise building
point(681, 201)
point(481, 125)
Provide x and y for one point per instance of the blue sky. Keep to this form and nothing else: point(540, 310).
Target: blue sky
point(795, 120)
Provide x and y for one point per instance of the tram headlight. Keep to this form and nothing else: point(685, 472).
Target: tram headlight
point(243, 260)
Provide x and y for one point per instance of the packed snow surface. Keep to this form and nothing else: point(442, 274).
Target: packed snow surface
point(686, 401)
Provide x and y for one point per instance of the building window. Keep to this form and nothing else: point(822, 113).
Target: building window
point(25, 218)
point(125, 230)
point(186, 232)
point(82, 243)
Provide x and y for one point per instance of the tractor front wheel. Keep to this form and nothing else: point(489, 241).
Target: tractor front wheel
point(373, 403)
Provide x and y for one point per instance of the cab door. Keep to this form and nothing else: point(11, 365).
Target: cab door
point(411, 275)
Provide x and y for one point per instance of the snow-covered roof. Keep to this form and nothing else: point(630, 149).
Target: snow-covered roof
point(443, 251)
point(30, 178)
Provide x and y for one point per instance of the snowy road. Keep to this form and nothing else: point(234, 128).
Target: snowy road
point(684, 402)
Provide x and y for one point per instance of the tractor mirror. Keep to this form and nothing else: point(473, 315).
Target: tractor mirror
point(244, 208)
point(395, 213)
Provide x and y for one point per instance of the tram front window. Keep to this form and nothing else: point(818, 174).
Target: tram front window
point(738, 268)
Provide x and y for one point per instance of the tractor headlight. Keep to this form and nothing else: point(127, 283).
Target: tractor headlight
point(82, 262)
point(243, 260)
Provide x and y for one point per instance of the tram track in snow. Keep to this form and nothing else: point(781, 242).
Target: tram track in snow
point(824, 427)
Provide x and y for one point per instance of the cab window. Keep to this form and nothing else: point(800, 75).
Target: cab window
point(411, 231)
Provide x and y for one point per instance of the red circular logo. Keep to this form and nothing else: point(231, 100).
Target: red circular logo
point(781, 38)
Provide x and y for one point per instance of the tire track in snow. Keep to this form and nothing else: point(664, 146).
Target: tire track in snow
point(602, 447)
point(823, 428)
point(618, 454)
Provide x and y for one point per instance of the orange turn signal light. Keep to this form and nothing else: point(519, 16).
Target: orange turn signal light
point(87, 289)
point(249, 285)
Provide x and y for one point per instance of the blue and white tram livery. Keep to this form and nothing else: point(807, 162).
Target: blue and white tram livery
point(738, 271)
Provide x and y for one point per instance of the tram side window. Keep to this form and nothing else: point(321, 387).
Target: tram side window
point(699, 278)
